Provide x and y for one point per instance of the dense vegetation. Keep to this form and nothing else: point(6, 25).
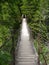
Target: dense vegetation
point(10, 17)
point(37, 12)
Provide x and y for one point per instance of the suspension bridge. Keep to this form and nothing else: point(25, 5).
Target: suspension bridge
point(26, 53)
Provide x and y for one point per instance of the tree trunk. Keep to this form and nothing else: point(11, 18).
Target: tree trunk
point(13, 47)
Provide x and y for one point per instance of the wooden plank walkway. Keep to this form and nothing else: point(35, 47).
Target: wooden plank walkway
point(26, 54)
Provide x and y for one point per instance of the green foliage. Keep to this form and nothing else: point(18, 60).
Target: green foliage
point(39, 28)
point(5, 58)
point(37, 12)
point(10, 18)
point(44, 50)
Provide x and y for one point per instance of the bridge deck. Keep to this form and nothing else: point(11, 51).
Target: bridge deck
point(26, 54)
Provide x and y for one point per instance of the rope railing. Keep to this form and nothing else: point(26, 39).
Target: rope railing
point(10, 43)
point(31, 39)
point(39, 50)
point(18, 39)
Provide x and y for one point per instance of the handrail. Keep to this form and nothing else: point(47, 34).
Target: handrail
point(32, 40)
point(37, 52)
point(19, 38)
point(40, 49)
point(5, 42)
